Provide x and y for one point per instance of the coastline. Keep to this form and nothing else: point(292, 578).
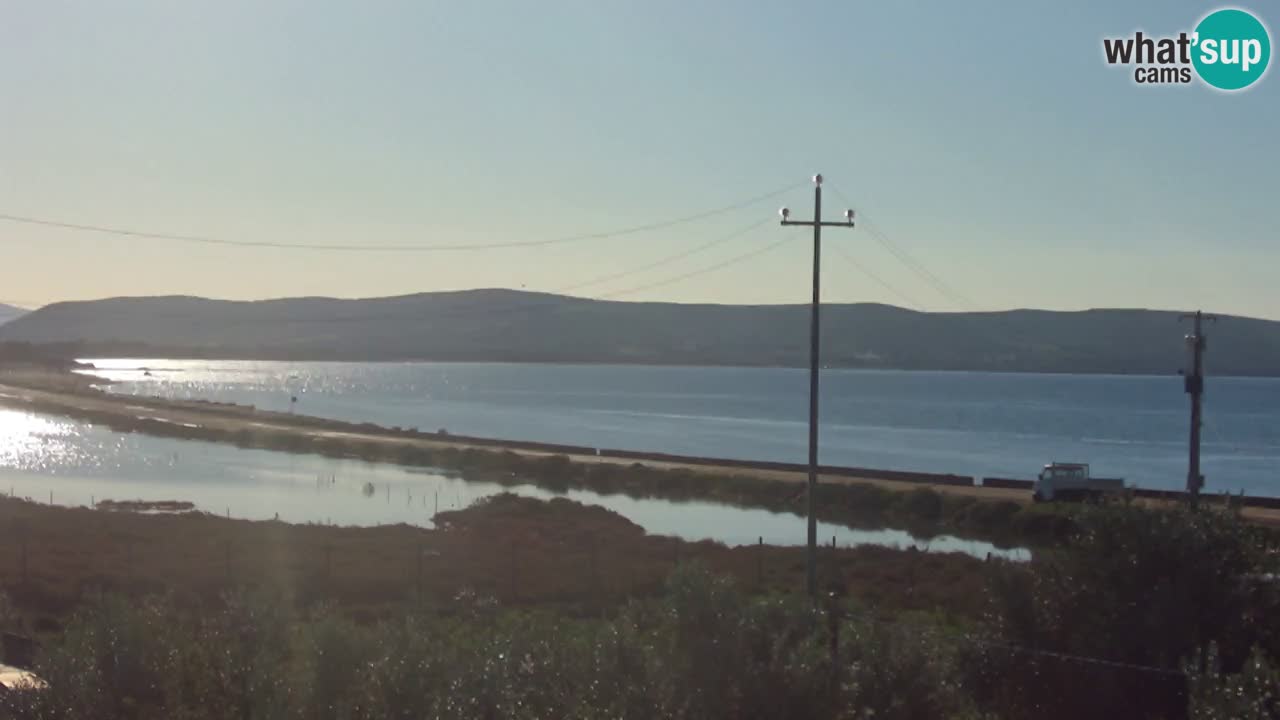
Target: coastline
point(923, 502)
point(87, 355)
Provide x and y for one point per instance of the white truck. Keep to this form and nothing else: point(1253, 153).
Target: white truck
point(1071, 481)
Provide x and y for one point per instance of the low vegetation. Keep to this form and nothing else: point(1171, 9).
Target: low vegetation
point(1144, 613)
point(560, 554)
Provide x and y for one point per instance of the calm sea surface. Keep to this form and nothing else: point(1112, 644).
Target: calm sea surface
point(969, 423)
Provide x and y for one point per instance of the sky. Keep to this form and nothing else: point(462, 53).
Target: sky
point(988, 142)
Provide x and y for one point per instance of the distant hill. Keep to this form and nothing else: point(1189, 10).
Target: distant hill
point(506, 325)
point(9, 312)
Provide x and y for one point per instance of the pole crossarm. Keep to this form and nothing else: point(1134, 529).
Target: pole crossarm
point(1188, 316)
point(826, 223)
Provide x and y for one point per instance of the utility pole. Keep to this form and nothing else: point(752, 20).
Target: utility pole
point(1194, 384)
point(815, 332)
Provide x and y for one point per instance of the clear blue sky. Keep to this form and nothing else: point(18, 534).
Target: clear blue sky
point(988, 139)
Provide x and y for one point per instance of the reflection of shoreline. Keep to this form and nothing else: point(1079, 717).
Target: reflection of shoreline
point(854, 499)
point(304, 489)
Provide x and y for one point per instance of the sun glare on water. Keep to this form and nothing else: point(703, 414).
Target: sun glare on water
point(31, 442)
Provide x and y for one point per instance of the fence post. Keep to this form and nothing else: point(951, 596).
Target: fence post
point(23, 531)
point(514, 584)
point(911, 576)
point(595, 579)
point(833, 623)
point(760, 560)
point(418, 576)
point(328, 566)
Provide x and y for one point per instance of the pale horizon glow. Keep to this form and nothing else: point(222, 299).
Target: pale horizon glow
point(989, 141)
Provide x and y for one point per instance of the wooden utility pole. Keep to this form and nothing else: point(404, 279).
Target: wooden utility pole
point(1194, 384)
point(815, 331)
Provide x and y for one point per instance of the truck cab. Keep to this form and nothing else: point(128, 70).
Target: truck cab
point(1071, 481)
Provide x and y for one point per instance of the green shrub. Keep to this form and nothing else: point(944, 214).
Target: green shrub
point(701, 650)
point(921, 505)
point(900, 671)
point(1253, 693)
point(989, 516)
point(1144, 587)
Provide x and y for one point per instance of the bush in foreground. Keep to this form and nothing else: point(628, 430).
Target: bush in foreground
point(701, 650)
point(1106, 625)
point(1146, 613)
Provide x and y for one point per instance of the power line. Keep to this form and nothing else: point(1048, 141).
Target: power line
point(663, 261)
point(1015, 332)
point(848, 257)
point(904, 257)
point(551, 299)
point(916, 266)
point(207, 240)
point(701, 271)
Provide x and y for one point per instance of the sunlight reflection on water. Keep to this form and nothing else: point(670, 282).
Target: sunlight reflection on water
point(82, 463)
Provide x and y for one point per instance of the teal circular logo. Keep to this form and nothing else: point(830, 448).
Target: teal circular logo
point(1231, 49)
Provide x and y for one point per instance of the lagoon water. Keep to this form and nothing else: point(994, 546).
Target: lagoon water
point(49, 459)
point(982, 424)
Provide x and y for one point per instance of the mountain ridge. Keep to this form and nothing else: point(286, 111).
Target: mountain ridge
point(10, 312)
point(497, 324)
